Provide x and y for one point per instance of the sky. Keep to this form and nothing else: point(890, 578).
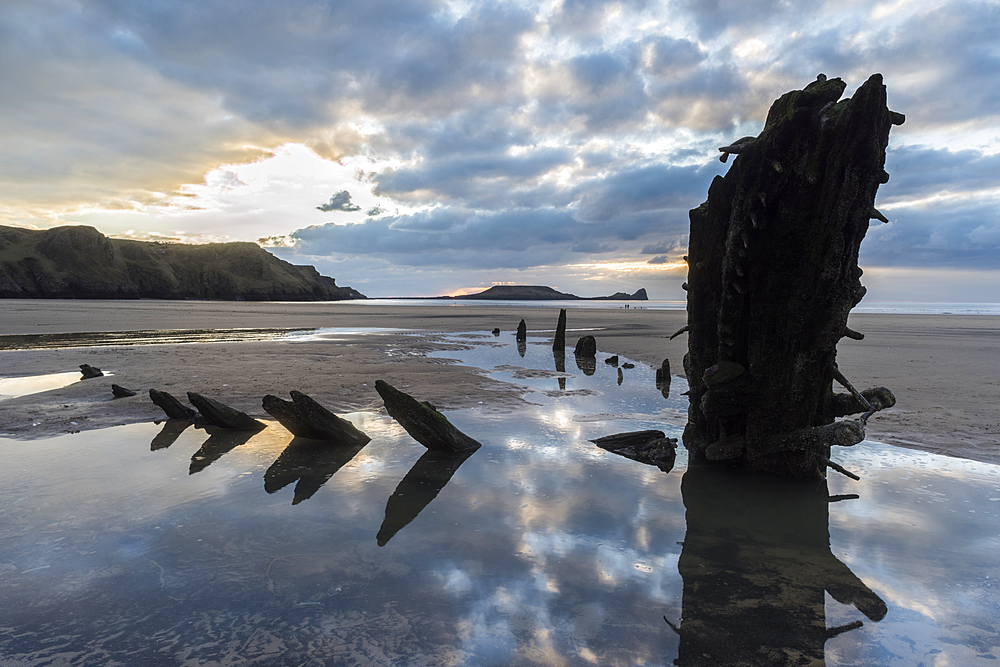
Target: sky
point(423, 147)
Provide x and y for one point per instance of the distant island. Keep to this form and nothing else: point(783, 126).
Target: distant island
point(541, 293)
point(79, 262)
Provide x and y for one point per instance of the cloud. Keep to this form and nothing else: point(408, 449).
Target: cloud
point(953, 232)
point(505, 135)
point(339, 202)
point(917, 172)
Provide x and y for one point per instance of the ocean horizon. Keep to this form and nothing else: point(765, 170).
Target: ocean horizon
point(885, 307)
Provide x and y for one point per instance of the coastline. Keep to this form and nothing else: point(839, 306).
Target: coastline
point(940, 367)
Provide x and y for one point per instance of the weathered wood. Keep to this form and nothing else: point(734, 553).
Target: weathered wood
point(650, 447)
point(223, 416)
point(121, 392)
point(879, 398)
point(559, 342)
point(773, 274)
point(173, 408)
point(305, 418)
point(423, 422)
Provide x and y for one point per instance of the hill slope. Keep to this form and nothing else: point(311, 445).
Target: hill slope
point(78, 262)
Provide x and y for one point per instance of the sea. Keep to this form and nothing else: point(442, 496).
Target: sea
point(887, 307)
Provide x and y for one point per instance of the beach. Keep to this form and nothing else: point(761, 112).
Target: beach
point(941, 368)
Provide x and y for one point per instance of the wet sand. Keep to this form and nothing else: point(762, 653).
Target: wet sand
point(942, 368)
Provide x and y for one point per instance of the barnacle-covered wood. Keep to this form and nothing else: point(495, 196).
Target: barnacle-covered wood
point(773, 274)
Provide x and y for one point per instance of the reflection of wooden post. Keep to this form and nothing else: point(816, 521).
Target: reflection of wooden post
point(220, 441)
point(559, 356)
point(417, 489)
point(773, 274)
point(309, 463)
point(756, 562)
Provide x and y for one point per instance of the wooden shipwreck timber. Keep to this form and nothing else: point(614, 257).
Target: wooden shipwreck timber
point(772, 277)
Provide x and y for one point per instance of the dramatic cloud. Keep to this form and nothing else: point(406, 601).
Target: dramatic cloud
point(339, 202)
point(500, 137)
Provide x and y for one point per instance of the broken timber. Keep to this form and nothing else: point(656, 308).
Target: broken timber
point(772, 277)
point(423, 422)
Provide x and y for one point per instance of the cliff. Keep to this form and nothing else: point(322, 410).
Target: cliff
point(541, 293)
point(78, 262)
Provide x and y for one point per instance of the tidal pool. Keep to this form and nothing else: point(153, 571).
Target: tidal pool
point(164, 544)
point(33, 384)
point(53, 341)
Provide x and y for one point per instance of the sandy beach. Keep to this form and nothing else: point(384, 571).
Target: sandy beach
point(942, 368)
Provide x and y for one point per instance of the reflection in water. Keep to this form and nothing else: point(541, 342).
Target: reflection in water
point(588, 365)
point(417, 489)
point(172, 429)
point(559, 356)
point(522, 347)
point(220, 441)
point(543, 550)
point(34, 384)
point(663, 384)
point(310, 462)
point(54, 341)
point(756, 561)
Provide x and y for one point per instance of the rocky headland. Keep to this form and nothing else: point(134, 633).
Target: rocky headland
point(542, 293)
point(79, 262)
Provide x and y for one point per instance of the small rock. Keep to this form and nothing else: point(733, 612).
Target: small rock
point(90, 371)
point(586, 347)
point(612, 361)
point(628, 365)
point(121, 392)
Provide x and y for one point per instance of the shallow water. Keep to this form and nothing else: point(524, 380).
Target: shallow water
point(157, 544)
point(887, 307)
point(51, 341)
point(33, 384)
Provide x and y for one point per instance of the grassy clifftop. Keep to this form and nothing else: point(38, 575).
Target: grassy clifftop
point(78, 262)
